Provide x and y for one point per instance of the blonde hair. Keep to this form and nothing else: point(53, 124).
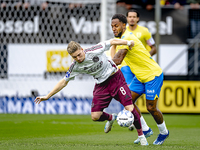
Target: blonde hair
point(72, 47)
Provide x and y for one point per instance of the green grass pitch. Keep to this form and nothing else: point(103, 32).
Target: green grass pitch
point(79, 132)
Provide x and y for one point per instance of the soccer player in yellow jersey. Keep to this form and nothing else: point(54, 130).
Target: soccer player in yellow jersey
point(148, 74)
point(143, 34)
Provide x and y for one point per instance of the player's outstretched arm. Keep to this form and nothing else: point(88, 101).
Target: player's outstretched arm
point(122, 42)
point(59, 86)
point(114, 42)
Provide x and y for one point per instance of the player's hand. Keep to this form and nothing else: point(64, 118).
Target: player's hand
point(40, 98)
point(132, 44)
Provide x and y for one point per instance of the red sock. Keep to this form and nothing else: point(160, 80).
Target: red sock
point(105, 116)
point(136, 122)
point(140, 132)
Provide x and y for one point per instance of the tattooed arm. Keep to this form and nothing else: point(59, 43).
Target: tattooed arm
point(119, 56)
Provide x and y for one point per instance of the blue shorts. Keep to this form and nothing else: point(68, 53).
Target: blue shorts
point(151, 88)
point(128, 75)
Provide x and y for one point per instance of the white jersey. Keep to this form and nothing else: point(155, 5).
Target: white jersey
point(96, 63)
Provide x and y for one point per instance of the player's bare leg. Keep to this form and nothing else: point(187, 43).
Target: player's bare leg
point(158, 117)
point(102, 116)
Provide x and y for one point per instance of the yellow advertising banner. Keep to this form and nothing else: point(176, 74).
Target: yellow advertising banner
point(180, 97)
point(176, 97)
point(58, 60)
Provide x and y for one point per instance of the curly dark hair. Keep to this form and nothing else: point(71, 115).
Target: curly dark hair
point(121, 18)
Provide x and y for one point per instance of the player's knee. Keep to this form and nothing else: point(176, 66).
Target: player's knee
point(129, 107)
point(95, 117)
point(151, 108)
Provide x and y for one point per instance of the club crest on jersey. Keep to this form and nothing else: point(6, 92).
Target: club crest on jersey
point(67, 74)
point(96, 67)
point(95, 59)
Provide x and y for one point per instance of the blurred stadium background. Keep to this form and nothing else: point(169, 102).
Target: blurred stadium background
point(33, 56)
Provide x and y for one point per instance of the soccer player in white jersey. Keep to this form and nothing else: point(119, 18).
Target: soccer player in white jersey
point(110, 82)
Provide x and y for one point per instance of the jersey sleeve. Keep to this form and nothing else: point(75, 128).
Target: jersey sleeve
point(106, 45)
point(99, 48)
point(149, 39)
point(71, 73)
point(70, 76)
point(147, 34)
point(122, 47)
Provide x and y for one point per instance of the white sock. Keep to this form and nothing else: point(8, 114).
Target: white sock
point(141, 136)
point(162, 128)
point(145, 127)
